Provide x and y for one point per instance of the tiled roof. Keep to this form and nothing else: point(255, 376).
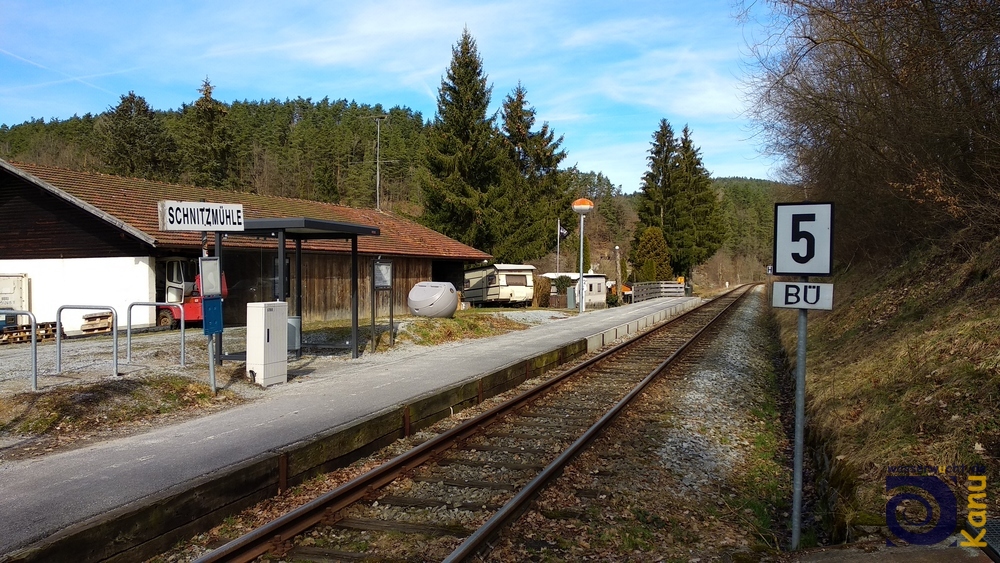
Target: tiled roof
point(134, 202)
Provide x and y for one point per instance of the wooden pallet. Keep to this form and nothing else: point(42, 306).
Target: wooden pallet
point(22, 333)
point(97, 323)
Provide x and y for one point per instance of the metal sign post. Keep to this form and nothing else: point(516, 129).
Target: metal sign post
point(803, 246)
point(205, 217)
point(382, 281)
point(211, 308)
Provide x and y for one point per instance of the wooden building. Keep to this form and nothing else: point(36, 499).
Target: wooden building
point(94, 239)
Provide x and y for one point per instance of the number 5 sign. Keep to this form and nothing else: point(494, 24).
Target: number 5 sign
point(803, 239)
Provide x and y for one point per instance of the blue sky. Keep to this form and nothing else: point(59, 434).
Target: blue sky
point(602, 74)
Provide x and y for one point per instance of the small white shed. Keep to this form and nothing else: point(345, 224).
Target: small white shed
point(594, 285)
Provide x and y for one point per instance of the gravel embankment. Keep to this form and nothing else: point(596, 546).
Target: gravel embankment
point(677, 478)
point(681, 475)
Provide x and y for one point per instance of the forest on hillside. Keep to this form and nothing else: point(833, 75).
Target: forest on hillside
point(889, 109)
point(496, 182)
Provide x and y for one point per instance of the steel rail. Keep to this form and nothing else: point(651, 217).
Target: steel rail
point(514, 507)
point(326, 507)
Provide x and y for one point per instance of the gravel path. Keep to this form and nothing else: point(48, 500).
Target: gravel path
point(671, 481)
point(90, 359)
point(158, 352)
point(712, 422)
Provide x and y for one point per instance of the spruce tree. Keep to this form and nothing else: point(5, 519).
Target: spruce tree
point(204, 139)
point(653, 255)
point(677, 197)
point(133, 140)
point(463, 156)
point(704, 229)
point(533, 191)
point(659, 189)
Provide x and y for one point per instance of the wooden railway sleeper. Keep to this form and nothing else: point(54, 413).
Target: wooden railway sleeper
point(464, 431)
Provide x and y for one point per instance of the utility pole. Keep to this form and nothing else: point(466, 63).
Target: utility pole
point(378, 148)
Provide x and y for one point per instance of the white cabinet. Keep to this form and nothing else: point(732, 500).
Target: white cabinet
point(267, 342)
point(14, 292)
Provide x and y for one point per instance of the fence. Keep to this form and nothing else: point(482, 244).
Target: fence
point(651, 290)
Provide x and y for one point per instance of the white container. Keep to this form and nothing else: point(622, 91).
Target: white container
point(433, 299)
point(15, 292)
point(267, 342)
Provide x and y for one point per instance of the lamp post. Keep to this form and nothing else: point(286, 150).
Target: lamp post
point(582, 206)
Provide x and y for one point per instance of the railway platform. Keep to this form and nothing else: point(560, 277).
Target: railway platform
point(64, 504)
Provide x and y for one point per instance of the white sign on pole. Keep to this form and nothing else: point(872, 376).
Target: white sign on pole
point(803, 239)
point(211, 276)
point(383, 274)
point(200, 216)
point(803, 296)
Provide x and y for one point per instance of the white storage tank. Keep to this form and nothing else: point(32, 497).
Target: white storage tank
point(433, 299)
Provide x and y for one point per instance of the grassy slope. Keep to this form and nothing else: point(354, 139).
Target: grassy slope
point(906, 370)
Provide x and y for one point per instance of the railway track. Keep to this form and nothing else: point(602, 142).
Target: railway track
point(447, 498)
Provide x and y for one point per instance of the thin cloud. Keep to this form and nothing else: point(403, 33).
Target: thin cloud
point(601, 74)
point(69, 78)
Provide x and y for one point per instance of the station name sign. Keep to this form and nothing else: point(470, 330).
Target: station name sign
point(200, 216)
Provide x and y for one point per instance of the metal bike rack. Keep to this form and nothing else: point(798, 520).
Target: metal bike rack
point(128, 327)
point(114, 330)
point(34, 346)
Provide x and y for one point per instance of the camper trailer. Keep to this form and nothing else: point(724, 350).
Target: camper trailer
point(499, 284)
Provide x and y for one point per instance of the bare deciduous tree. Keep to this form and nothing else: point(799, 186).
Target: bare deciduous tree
point(891, 108)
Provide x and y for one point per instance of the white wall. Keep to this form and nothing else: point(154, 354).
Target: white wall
point(114, 282)
point(599, 294)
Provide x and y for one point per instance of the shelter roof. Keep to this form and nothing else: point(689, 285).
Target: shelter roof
point(305, 228)
point(131, 204)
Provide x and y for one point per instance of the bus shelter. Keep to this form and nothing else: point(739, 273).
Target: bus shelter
point(301, 229)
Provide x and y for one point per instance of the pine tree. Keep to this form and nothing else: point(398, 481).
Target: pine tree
point(677, 197)
point(653, 255)
point(533, 191)
point(204, 139)
point(133, 140)
point(464, 157)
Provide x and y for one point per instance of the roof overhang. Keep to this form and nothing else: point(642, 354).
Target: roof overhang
point(304, 228)
point(107, 218)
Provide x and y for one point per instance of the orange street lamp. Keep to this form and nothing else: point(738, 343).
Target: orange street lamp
point(582, 206)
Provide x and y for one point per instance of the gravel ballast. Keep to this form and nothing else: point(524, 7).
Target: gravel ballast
point(681, 476)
